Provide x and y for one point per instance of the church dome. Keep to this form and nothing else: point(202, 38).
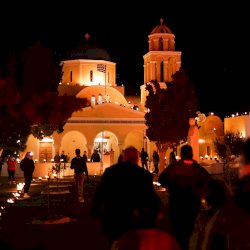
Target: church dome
point(161, 28)
point(88, 51)
point(113, 94)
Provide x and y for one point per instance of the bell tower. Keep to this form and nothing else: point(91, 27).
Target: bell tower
point(161, 61)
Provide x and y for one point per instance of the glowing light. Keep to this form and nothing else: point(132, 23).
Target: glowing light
point(47, 139)
point(20, 186)
point(157, 183)
point(99, 139)
point(16, 195)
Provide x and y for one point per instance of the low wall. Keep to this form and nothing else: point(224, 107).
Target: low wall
point(43, 169)
point(214, 168)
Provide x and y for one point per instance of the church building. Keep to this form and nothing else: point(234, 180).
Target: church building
point(113, 120)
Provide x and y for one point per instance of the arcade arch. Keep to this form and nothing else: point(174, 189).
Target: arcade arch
point(106, 142)
point(72, 140)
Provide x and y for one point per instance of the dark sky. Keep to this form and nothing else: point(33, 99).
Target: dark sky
point(212, 35)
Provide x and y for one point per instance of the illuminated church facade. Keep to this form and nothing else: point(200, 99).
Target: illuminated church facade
point(113, 120)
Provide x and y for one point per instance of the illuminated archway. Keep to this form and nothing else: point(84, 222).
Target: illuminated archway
point(71, 141)
point(135, 138)
point(106, 143)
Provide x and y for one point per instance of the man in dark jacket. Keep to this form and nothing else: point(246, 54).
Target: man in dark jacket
point(144, 159)
point(186, 182)
point(125, 198)
point(27, 165)
point(78, 163)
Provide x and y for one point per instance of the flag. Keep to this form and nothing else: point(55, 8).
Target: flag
point(101, 68)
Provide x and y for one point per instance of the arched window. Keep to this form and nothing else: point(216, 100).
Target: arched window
point(92, 100)
point(99, 101)
point(91, 75)
point(71, 76)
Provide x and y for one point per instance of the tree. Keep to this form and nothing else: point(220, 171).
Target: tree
point(169, 110)
point(30, 102)
point(230, 146)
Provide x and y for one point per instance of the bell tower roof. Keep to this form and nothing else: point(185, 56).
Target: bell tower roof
point(161, 28)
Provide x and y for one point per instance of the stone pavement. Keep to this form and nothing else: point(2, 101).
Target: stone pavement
point(49, 221)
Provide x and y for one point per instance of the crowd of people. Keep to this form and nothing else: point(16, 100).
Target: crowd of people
point(203, 213)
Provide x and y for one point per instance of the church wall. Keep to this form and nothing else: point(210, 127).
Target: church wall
point(238, 124)
point(209, 130)
point(90, 131)
point(32, 146)
point(81, 72)
point(67, 68)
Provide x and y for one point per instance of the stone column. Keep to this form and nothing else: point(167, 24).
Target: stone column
point(165, 44)
point(178, 65)
point(148, 72)
point(145, 73)
point(121, 147)
point(112, 160)
point(89, 149)
point(150, 45)
point(193, 138)
point(152, 71)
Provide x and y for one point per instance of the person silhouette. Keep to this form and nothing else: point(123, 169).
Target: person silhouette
point(186, 182)
point(125, 198)
point(78, 163)
point(144, 159)
point(156, 160)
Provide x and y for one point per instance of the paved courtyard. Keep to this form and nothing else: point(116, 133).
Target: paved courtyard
point(49, 220)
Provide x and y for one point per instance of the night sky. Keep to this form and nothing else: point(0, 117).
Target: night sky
point(213, 38)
